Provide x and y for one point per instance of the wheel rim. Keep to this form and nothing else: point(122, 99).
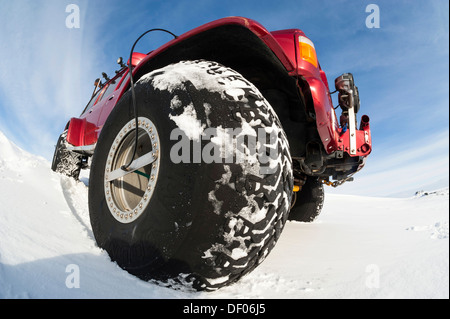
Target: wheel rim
point(128, 193)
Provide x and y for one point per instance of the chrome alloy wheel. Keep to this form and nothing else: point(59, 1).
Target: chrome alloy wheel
point(129, 191)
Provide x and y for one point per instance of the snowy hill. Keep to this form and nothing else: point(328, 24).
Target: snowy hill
point(360, 247)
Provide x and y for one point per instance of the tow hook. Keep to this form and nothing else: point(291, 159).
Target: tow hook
point(337, 183)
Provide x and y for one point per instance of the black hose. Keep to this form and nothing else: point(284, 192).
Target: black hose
point(133, 96)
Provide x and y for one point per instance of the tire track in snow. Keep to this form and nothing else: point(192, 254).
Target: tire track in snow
point(75, 193)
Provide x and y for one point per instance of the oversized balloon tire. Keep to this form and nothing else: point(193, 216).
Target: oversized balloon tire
point(191, 219)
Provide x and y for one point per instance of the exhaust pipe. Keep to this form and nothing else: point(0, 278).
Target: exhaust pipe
point(364, 122)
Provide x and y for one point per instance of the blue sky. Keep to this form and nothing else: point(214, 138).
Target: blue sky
point(401, 69)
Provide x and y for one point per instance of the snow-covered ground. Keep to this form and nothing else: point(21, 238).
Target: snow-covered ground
point(360, 247)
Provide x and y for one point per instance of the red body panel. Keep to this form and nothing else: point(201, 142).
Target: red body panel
point(252, 25)
point(285, 45)
point(327, 124)
point(81, 132)
point(332, 137)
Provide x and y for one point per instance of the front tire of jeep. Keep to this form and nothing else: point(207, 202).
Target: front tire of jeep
point(180, 218)
point(64, 161)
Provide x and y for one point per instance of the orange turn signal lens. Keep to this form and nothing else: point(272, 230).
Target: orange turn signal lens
point(308, 51)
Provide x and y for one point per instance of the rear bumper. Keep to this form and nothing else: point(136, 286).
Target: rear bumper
point(333, 137)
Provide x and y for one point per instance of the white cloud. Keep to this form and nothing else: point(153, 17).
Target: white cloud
point(402, 169)
point(44, 67)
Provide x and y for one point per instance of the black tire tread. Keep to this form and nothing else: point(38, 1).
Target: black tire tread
point(309, 202)
point(64, 161)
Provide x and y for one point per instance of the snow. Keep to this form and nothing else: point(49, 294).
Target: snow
point(174, 76)
point(188, 123)
point(360, 247)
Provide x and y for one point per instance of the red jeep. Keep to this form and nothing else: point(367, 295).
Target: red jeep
point(219, 137)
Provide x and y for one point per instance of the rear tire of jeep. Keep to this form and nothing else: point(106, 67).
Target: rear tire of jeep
point(187, 220)
point(64, 161)
point(308, 201)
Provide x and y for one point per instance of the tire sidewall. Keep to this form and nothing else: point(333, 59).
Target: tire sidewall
point(157, 233)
